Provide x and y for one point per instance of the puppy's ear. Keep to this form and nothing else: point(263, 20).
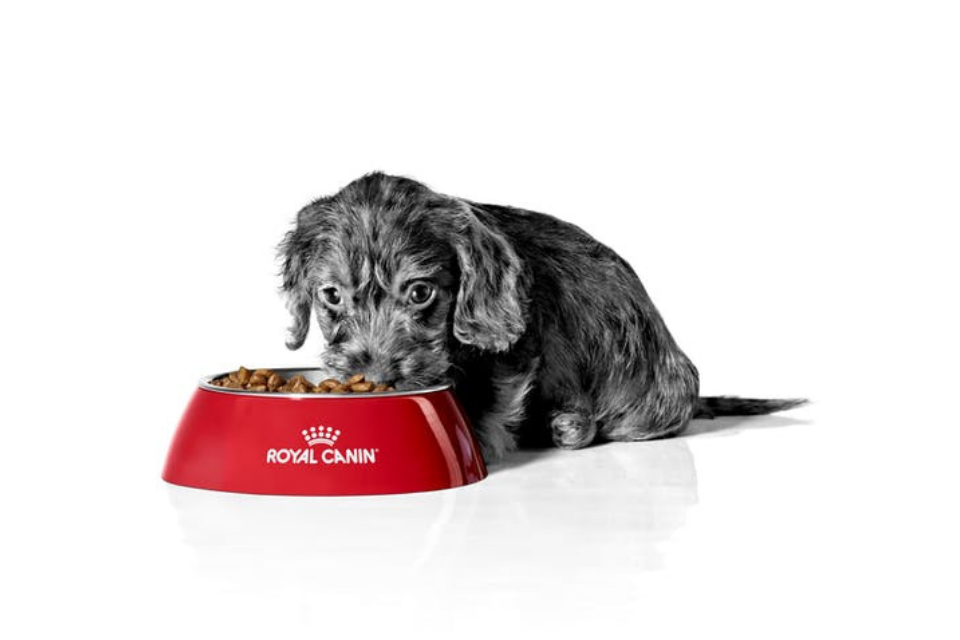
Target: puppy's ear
point(489, 311)
point(295, 252)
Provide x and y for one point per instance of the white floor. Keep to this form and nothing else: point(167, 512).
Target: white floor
point(784, 526)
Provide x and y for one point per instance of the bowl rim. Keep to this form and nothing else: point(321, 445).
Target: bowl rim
point(205, 384)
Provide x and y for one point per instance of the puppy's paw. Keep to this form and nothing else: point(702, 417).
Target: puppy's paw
point(572, 430)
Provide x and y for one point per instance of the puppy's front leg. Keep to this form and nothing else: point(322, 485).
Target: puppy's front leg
point(572, 429)
point(497, 424)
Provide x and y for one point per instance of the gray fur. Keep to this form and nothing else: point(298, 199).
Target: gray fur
point(497, 427)
point(548, 335)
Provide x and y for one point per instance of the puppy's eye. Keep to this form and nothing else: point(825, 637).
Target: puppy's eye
point(420, 294)
point(331, 295)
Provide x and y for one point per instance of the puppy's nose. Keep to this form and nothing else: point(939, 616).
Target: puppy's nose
point(381, 372)
point(375, 368)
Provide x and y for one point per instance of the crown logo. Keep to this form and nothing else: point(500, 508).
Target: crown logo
point(320, 435)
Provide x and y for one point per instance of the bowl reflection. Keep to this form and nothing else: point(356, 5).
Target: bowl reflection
point(603, 513)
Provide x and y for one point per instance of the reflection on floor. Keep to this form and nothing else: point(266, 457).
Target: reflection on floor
point(614, 502)
point(598, 518)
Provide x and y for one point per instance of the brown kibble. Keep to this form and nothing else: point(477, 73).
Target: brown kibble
point(300, 386)
point(267, 380)
point(299, 381)
point(275, 381)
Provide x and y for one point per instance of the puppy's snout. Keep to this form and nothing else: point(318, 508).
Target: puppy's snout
point(379, 369)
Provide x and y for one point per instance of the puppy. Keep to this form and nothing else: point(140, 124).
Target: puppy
point(546, 334)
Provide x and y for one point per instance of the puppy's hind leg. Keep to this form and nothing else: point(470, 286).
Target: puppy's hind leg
point(663, 409)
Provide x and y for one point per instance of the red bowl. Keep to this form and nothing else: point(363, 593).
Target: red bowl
point(323, 444)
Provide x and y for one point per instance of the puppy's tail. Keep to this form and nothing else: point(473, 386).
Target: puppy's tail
point(714, 406)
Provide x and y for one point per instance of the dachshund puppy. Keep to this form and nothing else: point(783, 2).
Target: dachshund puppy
point(546, 334)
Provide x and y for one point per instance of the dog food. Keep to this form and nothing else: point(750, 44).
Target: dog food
point(267, 381)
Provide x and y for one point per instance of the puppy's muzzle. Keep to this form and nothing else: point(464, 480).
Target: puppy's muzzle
point(378, 369)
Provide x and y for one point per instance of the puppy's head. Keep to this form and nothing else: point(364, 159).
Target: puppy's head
point(399, 278)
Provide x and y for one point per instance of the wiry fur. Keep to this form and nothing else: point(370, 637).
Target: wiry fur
point(547, 334)
point(497, 427)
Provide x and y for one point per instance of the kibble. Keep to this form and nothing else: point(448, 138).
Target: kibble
point(275, 381)
point(354, 379)
point(267, 380)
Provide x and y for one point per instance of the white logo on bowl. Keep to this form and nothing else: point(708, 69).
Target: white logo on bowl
point(321, 435)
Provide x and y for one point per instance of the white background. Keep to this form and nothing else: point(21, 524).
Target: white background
point(783, 177)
